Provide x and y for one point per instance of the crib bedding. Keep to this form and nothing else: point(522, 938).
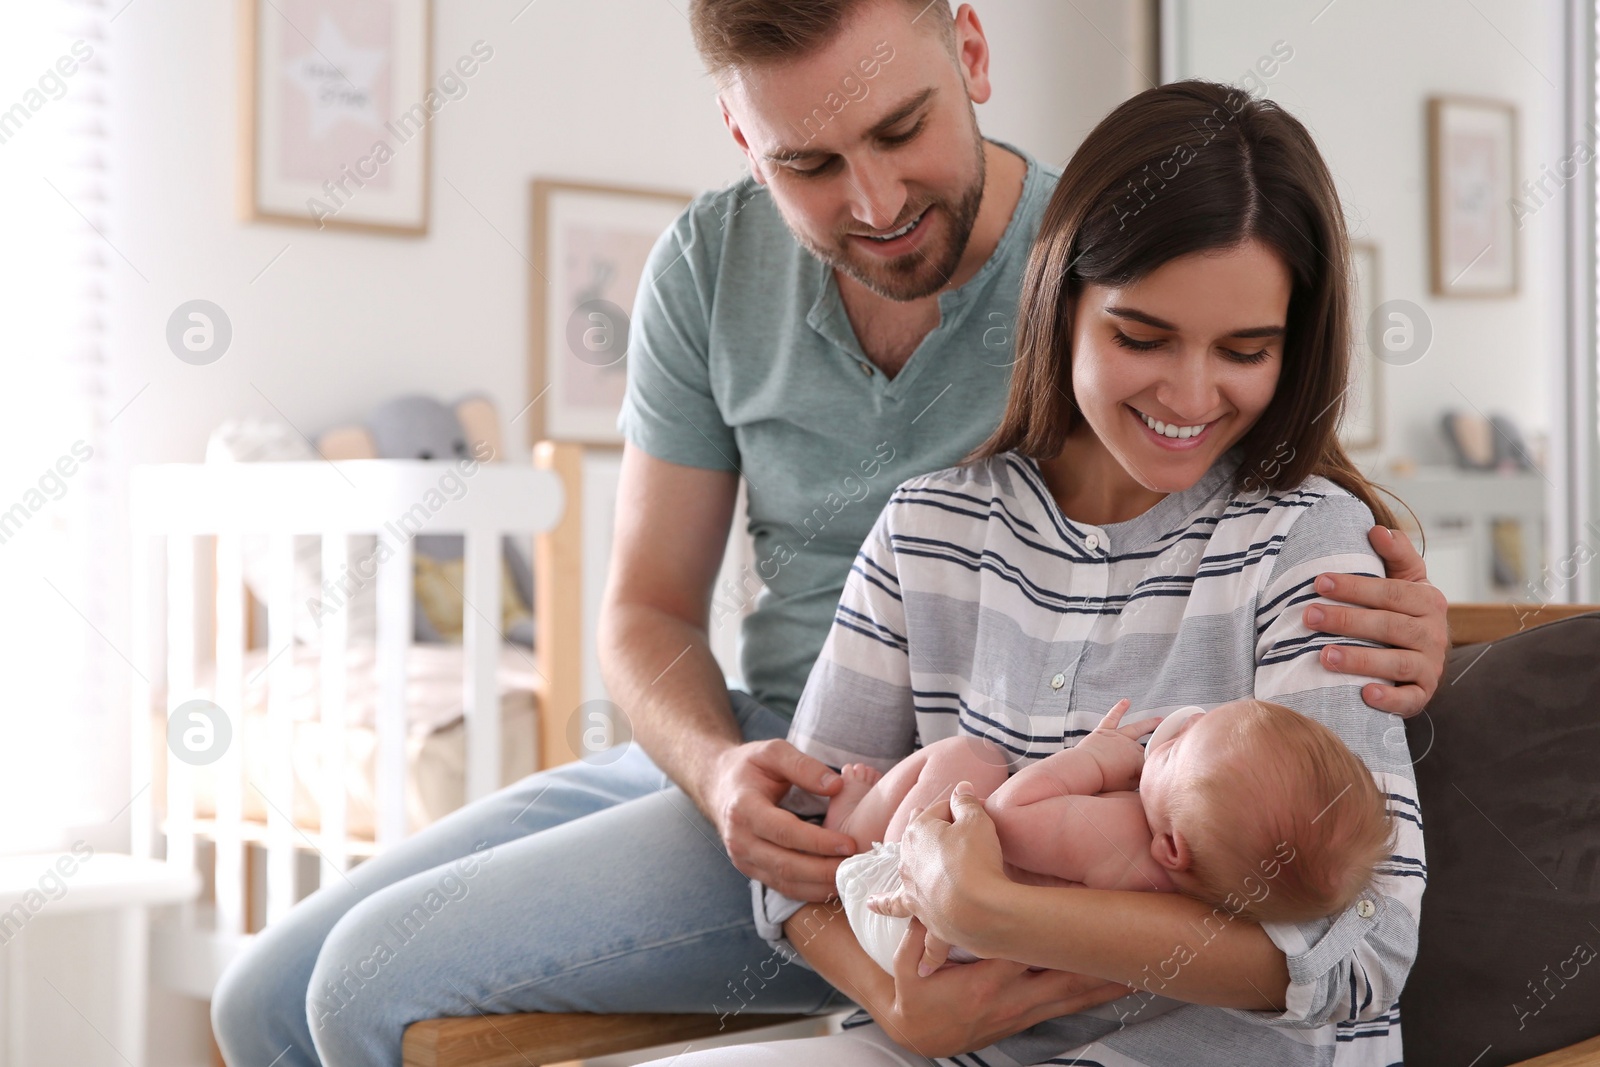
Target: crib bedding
point(435, 737)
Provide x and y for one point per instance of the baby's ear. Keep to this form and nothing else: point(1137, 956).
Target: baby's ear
point(1171, 851)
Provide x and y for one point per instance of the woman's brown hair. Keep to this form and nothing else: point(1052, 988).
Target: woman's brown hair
point(1195, 166)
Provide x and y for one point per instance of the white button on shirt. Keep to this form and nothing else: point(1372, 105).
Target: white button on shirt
point(1058, 681)
point(1093, 541)
point(1365, 908)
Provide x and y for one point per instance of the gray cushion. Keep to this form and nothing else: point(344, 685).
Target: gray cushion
point(1508, 771)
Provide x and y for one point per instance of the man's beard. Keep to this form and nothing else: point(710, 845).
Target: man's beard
point(918, 273)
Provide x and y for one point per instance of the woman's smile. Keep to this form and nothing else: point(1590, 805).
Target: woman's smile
point(1176, 437)
point(1169, 371)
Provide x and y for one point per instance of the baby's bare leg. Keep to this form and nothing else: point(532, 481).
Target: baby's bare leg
point(864, 814)
point(921, 779)
point(954, 759)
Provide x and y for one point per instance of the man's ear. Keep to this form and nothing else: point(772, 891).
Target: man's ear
point(972, 54)
point(739, 139)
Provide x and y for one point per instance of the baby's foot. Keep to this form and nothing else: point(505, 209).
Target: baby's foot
point(858, 782)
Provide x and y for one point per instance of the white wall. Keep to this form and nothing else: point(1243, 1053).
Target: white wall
point(605, 90)
point(602, 90)
point(1359, 79)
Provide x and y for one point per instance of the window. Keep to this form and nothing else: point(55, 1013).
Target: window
point(53, 697)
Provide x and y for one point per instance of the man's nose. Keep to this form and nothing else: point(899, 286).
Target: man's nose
point(877, 196)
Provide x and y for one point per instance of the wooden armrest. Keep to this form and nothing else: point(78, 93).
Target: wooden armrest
point(1583, 1054)
point(537, 1039)
point(1471, 624)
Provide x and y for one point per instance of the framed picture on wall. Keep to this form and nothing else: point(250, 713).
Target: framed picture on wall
point(590, 244)
point(1472, 152)
point(1363, 408)
point(337, 104)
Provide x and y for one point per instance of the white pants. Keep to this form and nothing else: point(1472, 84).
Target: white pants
point(861, 1046)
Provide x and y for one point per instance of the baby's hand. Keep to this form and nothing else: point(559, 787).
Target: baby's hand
point(1116, 747)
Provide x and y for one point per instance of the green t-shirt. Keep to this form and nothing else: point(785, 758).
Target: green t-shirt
point(741, 357)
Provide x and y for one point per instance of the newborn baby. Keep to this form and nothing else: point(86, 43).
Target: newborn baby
point(1251, 807)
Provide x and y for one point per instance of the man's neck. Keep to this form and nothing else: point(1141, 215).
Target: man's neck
point(898, 326)
point(1004, 172)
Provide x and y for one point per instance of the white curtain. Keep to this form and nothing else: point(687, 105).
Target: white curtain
point(55, 704)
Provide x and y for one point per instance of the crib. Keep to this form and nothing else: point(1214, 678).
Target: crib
point(275, 813)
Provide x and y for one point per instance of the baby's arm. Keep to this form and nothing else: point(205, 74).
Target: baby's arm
point(1109, 759)
point(1071, 815)
point(1100, 842)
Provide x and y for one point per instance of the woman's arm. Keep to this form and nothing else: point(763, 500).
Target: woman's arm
point(1158, 942)
point(1352, 965)
point(959, 1009)
point(1192, 951)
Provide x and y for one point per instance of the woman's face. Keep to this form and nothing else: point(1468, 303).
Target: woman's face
point(1170, 371)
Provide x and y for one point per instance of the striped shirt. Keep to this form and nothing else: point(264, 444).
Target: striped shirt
point(975, 606)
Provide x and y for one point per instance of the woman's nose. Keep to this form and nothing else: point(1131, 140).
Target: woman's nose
point(1191, 391)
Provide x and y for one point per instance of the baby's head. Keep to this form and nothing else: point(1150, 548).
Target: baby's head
point(1264, 811)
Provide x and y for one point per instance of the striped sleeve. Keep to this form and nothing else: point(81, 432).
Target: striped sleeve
point(1350, 967)
point(857, 704)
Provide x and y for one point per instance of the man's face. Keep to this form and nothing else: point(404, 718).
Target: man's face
point(870, 147)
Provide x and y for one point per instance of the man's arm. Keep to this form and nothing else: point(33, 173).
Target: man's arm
point(1402, 610)
point(655, 656)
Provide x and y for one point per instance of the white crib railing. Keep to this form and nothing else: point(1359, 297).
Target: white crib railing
point(178, 504)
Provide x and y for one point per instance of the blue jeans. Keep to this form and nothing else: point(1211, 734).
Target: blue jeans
point(588, 887)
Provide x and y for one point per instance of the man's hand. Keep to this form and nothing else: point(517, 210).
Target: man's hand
point(766, 842)
point(1402, 610)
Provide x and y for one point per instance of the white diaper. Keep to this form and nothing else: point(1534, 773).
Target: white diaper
point(867, 874)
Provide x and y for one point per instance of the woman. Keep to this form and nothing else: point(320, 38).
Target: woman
point(1147, 522)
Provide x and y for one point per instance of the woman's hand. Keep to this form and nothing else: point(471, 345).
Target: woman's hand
point(1402, 610)
point(969, 1006)
point(950, 865)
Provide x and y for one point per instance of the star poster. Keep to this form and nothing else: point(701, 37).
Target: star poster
point(339, 106)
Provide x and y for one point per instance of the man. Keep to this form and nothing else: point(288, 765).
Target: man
point(831, 325)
